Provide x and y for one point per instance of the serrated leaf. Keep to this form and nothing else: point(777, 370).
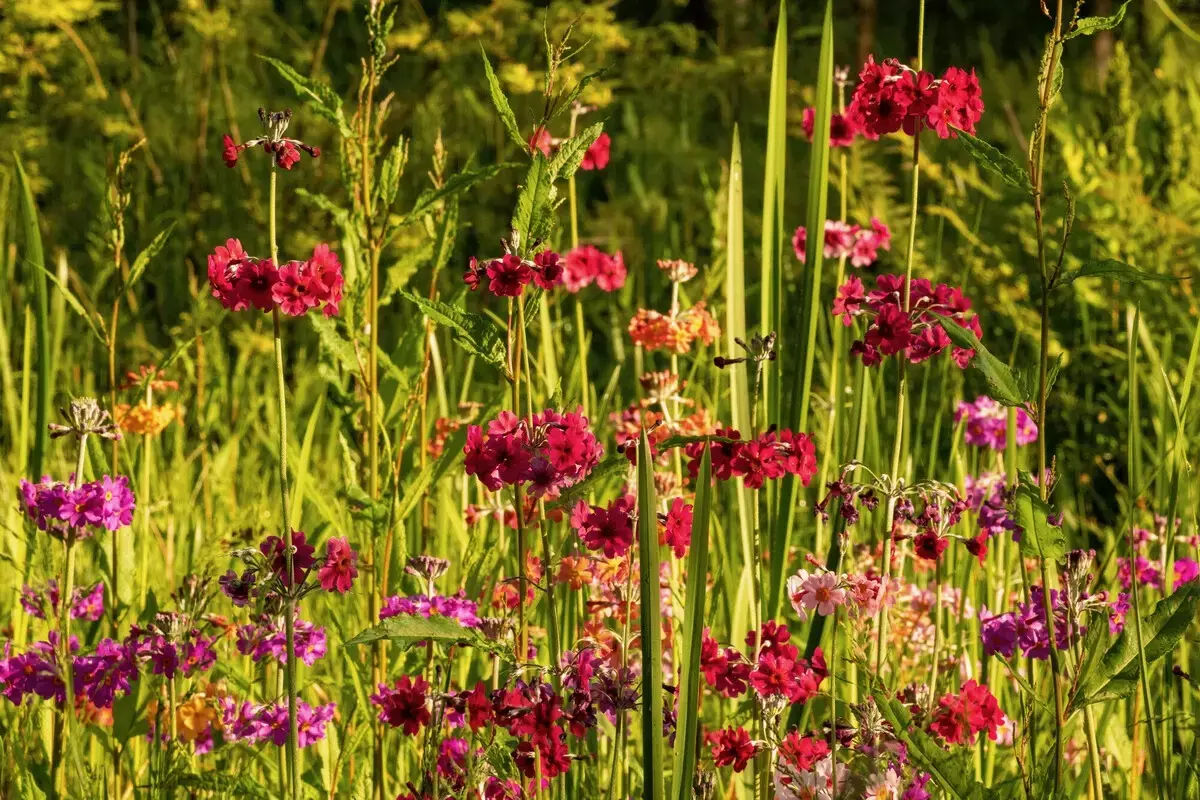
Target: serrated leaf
point(1089, 25)
point(570, 98)
point(1004, 385)
point(949, 770)
point(473, 333)
point(143, 259)
point(405, 631)
point(320, 96)
point(532, 217)
point(566, 161)
point(1039, 538)
point(1116, 673)
point(995, 162)
point(387, 184)
point(507, 117)
point(1110, 268)
point(454, 185)
point(340, 215)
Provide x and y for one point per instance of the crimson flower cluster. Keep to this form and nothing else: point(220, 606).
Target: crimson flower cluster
point(917, 334)
point(508, 275)
point(607, 529)
point(240, 281)
point(64, 510)
point(843, 240)
point(891, 97)
point(549, 452)
point(284, 152)
point(768, 457)
point(960, 717)
point(588, 264)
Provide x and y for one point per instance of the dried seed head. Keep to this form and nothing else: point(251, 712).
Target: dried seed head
point(85, 417)
point(428, 567)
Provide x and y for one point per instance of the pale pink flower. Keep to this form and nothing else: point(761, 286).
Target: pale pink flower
point(821, 593)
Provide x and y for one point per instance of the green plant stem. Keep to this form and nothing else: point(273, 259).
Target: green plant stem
point(833, 654)
point(64, 602)
point(517, 342)
point(289, 611)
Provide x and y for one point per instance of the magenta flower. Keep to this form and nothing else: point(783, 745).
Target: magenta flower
point(1186, 571)
point(677, 532)
point(597, 153)
point(609, 529)
point(340, 569)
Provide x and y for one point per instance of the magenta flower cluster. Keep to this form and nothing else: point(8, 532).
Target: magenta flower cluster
point(265, 637)
point(986, 424)
point(240, 281)
point(456, 607)
point(253, 723)
point(843, 240)
point(86, 604)
point(549, 453)
point(80, 511)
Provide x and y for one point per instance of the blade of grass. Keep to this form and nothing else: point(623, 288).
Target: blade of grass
point(774, 184)
point(686, 735)
point(651, 627)
point(797, 412)
point(36, 263)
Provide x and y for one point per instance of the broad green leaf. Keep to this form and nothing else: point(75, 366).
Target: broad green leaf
point(995, 162)
point(406, 630)
point(1116, 673)
point(34, 257)
point(473, 333)
point(1110, 268)
point(650, 623)
point(143, 258)
point(566, 161)
point(1003, 384)
point(320, 96)
point(1039, 539)
point(507, 117)
point(695, 618)
point(454, 185)
point(533, 215)
point(1089, 25)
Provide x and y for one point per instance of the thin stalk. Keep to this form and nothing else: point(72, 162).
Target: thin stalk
point(579, 330)
point(64, 628)
point(833, 652)
point(289, 621)
point(517, 344)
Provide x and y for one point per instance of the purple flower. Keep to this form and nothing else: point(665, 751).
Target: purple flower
point(238, 590)
point(267, 637)
point(1147, 572)
point(456, 607)
point(986, 424)
point(310, 722)
point(110, 670)
point(33, 672)
point(107, 503)
point(999, 634)
point(1119, 608)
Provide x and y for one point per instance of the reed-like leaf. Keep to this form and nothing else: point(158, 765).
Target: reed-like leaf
point(651, 626)
point(688, 720)
point(35, 264)
point(795, 415)
point(773, 231)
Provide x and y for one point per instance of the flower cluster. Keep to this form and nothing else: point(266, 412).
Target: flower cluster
point(508, 275)
point(456, 607)
point(147, 420)
point(986, 424)
point(842, 128)
point(988, 497)
point(891, 97)
point(253, 723)
point(240, 281)
point(284, 152)
point(843, 240)
point(86, 604)
point(607, 529)
point(1025, 629)
point(768, 457)
point(960, 717)
point(917, 333)
point(588, 264)
point(549, 452)
point(676, 331)
point(65, 510)
point(264, 637)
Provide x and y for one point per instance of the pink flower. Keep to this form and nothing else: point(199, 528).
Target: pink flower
point(229, 150)
point(340, 569)
point(547, 269)
point(849, 299)
point(541, 140)
point(610, 529)
point(677, 533)
point(842, 130)
point(733, 748)
point(819, 593)
point(294, 291)
point(596, 156)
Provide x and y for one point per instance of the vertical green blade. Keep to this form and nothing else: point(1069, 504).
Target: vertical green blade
point(687, 730)
point(797, 412)
point(35, 264)
point(651, 627)
point(773, 233)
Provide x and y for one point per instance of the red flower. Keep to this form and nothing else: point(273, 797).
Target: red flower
point(978, 546)
point(596, 156)
point(849, 299)
point(340, 569)
point(479, 708)
point(732, 747)
point(677, 532)
point(293, 291)
point(223, 265)
point(842, 130)
point(547, 269)
point(540, 140)
point(802, 753)
point(230, 150)
point(404, 706)
point(929, 546)
point(609, 529)
point(507, 276)
point(256, 282)
point(276, 552)
point(960, 717)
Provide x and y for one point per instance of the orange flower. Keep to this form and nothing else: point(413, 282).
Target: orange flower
point(146, 420)
point(575, 571)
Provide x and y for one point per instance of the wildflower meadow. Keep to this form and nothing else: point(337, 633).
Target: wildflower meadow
point(542, 401)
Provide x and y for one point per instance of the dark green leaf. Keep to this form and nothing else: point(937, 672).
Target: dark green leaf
point(501, 102)
point(1110, 268)
point(143, 258)
point(533, 215)
point(1039, 539)
point(1089, 25)
point(473, 333)
point(651, 626)
point(387, 183)
point(1003, 384)
point(995, 162)
point(320, 96)
point(1116, 673)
